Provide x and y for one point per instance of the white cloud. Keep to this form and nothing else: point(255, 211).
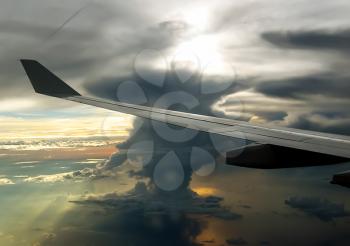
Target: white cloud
point(6, 181)
point(52, 178)
point(26, 162)
point(60, 177)
point(57, 143)
point(16, 104)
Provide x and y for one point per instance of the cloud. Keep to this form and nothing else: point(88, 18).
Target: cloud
point(317, 102)
point(131, 227)
point(141, 197)
point(6, 181)
point(331, 85)
point(100, 44)
point(286, 107)
point(236, 241)
point(336, 40)
point(50, 178)
point(102, 33)
point(106, 54)
point(323, 209)
point(50, 236)
point(26, 162)
point(249, 104)
point(188, 93)
point(139, 216)
point(318, 121)
point(51, 143)
point(60, 177)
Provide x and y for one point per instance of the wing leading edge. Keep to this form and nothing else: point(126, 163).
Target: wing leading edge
point(275, 144)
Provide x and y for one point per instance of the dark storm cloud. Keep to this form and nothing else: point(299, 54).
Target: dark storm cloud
point(141, 198)
point(331, 85)
point(245, 206)
point(325, 98)
point(151, 199)
point(103, 226)
point(272, 115)
point(340, 126)
point(321, 208)
point(82, 39)
point(236, 241)
point(336, 40)
point(325, 94)
point(26, 40)
point(138, 217)
point(336, 240)
point(108, 88)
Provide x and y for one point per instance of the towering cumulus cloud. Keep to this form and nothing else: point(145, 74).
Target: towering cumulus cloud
point(165, 152)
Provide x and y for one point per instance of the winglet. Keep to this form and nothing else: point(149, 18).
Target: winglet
point(45, 82)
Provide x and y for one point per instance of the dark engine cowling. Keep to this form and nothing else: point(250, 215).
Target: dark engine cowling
point(267, 156)
point(342, 179)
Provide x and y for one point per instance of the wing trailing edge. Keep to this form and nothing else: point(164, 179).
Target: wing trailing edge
point(276, 147)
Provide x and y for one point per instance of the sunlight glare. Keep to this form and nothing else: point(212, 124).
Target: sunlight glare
point(202, 53)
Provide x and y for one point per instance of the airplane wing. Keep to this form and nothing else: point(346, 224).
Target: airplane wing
point(274, 147)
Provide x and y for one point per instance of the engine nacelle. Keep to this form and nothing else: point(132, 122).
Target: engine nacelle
point(342, 179)
point(267, 156)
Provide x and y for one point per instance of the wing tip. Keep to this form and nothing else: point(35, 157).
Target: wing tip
point(44, 81)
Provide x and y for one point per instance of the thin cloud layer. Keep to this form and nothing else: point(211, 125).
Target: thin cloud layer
point(321, 208)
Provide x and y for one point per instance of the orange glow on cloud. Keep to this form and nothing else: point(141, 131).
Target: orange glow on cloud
point(16, 127)
point(204, 191)
point(94, 152)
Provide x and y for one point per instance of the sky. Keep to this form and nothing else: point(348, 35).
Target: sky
point(75, 174)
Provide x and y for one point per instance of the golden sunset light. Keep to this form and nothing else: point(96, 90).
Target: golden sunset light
point(174, 123)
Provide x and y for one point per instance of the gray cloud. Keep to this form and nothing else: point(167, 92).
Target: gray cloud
point(112, 219)
point(143, 198)
point(314, 122)
point(321, 208)
point(236, 241)
point(102, 41)
point(336, 40)
point(331, 85)
point(104, 38)
point(108, 88)
point(323, 101)
point(139, 217)
point(100, 34)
